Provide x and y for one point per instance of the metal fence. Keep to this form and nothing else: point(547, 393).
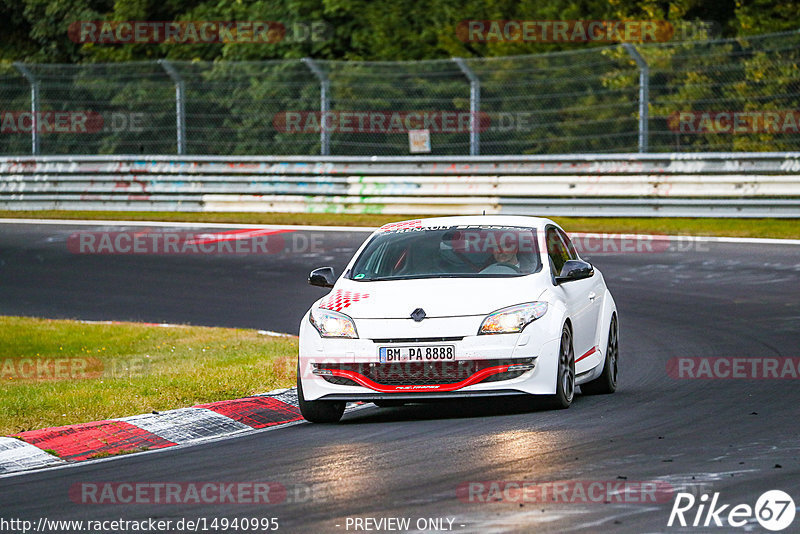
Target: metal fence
point(687, 185)
point(613, 99)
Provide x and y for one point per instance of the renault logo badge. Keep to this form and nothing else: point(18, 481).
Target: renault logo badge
point(418, 314)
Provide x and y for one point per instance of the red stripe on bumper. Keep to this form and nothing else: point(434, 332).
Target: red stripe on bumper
point(591, 351)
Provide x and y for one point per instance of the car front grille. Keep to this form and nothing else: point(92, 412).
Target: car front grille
point(340, 380)
point(423, 373)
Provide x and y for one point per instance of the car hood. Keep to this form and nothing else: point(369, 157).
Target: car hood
point(439, 297)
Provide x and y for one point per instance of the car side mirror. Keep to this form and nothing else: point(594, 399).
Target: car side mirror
point(575, 270)
point(322, 277)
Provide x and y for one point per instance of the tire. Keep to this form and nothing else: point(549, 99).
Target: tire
point(607, 381)
point(565, 380)
point(318, 411)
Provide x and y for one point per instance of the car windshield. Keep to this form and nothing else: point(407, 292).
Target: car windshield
point(449, 252)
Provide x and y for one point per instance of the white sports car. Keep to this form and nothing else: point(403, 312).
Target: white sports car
point(457, 307)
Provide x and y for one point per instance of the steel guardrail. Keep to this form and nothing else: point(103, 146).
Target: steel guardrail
point(678, 184)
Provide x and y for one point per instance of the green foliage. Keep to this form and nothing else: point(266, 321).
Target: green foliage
point(577, 97)
point(766, 16)
point(37, 30)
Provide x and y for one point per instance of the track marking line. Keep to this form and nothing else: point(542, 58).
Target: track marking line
point(168, 224)
point(300, 227)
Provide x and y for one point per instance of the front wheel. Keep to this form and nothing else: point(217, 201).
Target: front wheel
point(565, 380)
point(607, 381)
point(318, 411)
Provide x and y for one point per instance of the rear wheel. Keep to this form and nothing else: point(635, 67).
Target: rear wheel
point(607, 381)
point(565, 380)
point(318, 411)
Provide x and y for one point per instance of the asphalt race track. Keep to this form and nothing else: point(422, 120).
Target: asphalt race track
point(738, 437)
point(42, 277)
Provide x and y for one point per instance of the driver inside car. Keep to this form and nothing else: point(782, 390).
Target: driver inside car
point(505, 260)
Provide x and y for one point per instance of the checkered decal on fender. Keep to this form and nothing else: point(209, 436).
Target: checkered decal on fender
point(340, 299)
point(417, 223)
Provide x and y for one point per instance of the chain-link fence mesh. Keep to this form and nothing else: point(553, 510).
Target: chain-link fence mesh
point(756, 74)
point(559, 102)
point(577, 101)
point(382, 89)
point(15, 94)
point(231, 106)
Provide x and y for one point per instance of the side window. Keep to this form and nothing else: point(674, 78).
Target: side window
point(556, 250)
point(376, 259)
point(573, 254)
point(393, 258)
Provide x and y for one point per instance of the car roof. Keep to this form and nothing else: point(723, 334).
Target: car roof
point(492, 220)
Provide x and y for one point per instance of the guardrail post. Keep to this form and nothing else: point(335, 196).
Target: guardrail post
point(474, 106)
point(34, 105)
point(180, 105)
point(324, 105)
point(644, 94)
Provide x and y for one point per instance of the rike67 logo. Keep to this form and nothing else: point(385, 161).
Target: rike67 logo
point(774, 510)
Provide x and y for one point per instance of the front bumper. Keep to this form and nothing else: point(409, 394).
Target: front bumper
point(349, 369)
point(422, 376)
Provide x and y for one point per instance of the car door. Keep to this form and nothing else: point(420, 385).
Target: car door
point(596, 289)
point(576, 294)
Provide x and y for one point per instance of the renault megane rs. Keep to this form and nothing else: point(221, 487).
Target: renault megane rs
point(453, 307)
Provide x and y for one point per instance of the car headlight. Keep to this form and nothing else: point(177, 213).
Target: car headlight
point(512, 319)
point(332, 324)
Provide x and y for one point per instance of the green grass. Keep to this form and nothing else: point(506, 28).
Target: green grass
point(89, 372)
point(776, 228)
point(323, 219)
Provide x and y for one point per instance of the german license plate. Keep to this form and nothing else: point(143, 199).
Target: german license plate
point(437, 353)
